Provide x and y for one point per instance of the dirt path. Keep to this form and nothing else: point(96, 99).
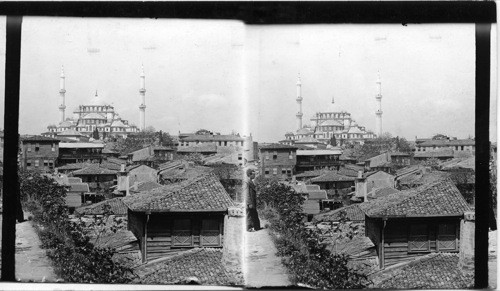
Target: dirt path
point(262, 268)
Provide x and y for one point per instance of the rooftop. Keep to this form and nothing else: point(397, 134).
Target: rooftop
point(86, 145)
point(433, 271)
point(319, 152)
point(203, 263)
point(352, 212)
point(440, 198)
point(332, 176)
point(444, 153)
point(201, 148)
point(116, 206)
point(277, 146)
point(39, 138)
point(205, 193)
point(214, 137)
point(94, 170)
point(446, 142)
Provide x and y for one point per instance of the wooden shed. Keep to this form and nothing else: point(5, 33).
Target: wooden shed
point(415, 222)
point(179, 216)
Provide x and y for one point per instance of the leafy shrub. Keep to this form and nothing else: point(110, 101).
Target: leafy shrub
point(303, 251)
point(75, 258)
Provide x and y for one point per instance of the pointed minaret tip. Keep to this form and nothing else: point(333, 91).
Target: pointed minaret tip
point(95, 93)
point(333, 100)
point(298, 79)
point(378, 75)
point(142, 70)
point(62, 71)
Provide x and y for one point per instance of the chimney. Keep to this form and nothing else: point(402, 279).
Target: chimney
point(233, 244)
point(122, 168)
point(467, 235)
point(135, 185)
point(127, 186)
point(360, 185)
point(294, 179)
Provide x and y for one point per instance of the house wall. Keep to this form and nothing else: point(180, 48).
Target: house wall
point(161, 235)
point(274, 161)
point(73, 199)
point(43, 159)
point(142, 174)
point(397, 238)
point(334, 185)
point(380, 180)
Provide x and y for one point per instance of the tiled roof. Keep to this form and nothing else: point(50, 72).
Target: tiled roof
point(115, 160)
point(351, 172)
point(146, 186)
point(203, 263)
point(433, 271)
point(69, 132)
point(110, 166)
point(185, 172)
point(444, 153)
point(277, 146)
point(445, 142)
point(79, 187)
point(422, 177)
point(353, 213)
point(407, 170)
point(307, 139)
point(39, 138)
point(77, 145)
point(332, 176)
point(460, 163)
point(204, 193)
point(74, 180)
point(141, 154)
point(326, 152)
point(435, 199)
point(201, 148)
point(94, 170)
point(74, 166)
point(314, 173)
point(215, 137)
point(381, 192)
point(316, 194)
point(116, 206)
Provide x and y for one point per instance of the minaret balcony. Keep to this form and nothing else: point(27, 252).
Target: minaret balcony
point(62, 107)
point(378, 96)
point(142, 90)
point(142, 107)
point(62, 91)
point(299, 114)
point(299, 99)
point(379, 112)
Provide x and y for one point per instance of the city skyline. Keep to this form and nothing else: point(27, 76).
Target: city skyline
point(225, 76)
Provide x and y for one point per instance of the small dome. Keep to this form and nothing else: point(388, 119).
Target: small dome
point(97, 101)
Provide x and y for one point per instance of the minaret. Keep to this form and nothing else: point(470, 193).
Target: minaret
point(62, 92)
point(299, 101)
point(378, 113)
point(142, 107)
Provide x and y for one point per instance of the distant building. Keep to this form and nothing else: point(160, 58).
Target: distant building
point(308, 160)
point(388, 162)
point(457, 145)
point(80, 152)
point(331, 123)
point(277, 161)
point(94, 115)
point(39, 153)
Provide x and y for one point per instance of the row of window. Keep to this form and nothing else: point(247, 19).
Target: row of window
point(457, 148)
point(37, 147)
point(182, 234)
point(36, 163)
point(419, 238)
point(275, 155)
point(220, 143)
point(284, 171)
point(95, 108)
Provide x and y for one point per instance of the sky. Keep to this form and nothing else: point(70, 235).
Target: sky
point(226, 76)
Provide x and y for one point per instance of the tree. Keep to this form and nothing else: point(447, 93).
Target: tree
point(95, 134)
point(196, 158)
point(203, 132)
point(439, 136)
point(333, 141)
point(402, 145)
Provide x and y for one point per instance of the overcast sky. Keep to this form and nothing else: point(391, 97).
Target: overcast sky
point(224, 76)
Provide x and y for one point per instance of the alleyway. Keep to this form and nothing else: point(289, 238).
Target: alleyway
point(32, 263)
point(262, 267)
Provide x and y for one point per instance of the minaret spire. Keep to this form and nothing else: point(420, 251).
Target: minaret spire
point(142, 107)
point(378, 113)
point(62, 94)
point(299, 102)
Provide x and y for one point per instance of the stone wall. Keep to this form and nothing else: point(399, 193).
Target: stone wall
point(234, 226)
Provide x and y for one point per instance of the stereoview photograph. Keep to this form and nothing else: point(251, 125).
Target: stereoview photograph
point(211, 152)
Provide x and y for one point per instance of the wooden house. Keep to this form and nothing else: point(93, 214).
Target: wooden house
point(378, 179)
point(415, 222)
point(333, 180)
point(99, 178)
point(179, 216)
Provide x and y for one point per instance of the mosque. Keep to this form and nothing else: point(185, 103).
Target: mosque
point(333, 123)
point(97, 114)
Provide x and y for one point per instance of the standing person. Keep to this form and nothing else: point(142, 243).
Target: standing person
point(253, 222)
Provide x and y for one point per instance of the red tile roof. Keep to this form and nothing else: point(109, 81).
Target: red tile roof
point(94, 169)
point(39, 138)
point(444, 153)
point(117, 207)
point(445, 142)
point(433, 271)
point(201, 148)
point(332, 176)
point(203, 263)
point(353, 213)
point(436, 199)
point(204, 193)
point(277, 146)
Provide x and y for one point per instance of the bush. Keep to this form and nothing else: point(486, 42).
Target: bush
point(302, 250)
point(75, 258)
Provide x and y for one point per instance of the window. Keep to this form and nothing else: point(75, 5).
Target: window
point(462, 148)
point(275, 155)
point(275, 171)
point(45, 163)
point(283, 171)
point(225, 143)
point(220, 143)
point(267, 155)
point(239, 157)
point(29, 147)
point(289, 172)
point(28, 163)
point(37, 163)
point(266, 171)
point(447, 237)
point(181, 233)
point(53, 147)
point(290, 155)
point(419, 238)
point(210, 232)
